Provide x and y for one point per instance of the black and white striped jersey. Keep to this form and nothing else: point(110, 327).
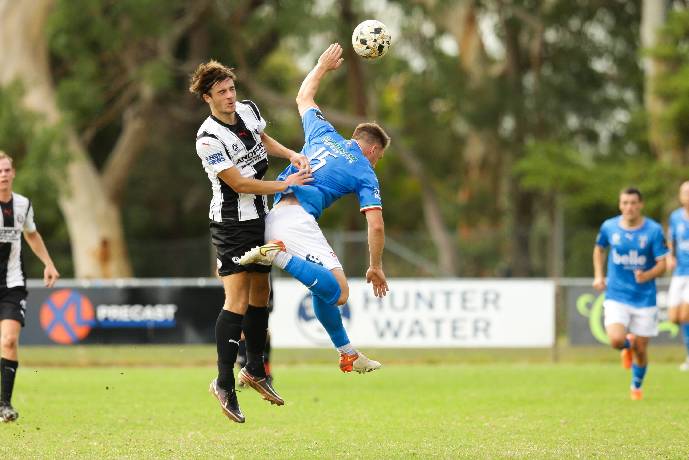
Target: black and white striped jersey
point(17, 216)
point(221, 146)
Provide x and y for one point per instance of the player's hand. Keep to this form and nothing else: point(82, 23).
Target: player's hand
point(376, 277)
point(50, 275)
point(300, 161)
point(331, 58)
point(300, 177)
point(599, 284)
point(670, 263)
point(641, 276)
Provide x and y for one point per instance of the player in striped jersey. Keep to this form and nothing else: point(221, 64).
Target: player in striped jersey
point(17, 217)
point(339, 167)
point(234, 150)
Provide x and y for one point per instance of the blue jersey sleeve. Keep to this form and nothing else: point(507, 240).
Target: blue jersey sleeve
point(369, 192)
point(602, 238)
point(315, 125)
point(660, 249)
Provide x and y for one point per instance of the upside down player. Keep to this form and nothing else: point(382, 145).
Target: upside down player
point(339, 167)
point(637, 257)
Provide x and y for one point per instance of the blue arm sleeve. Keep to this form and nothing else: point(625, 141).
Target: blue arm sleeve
point(659, 244)
point(369, 192)
point(315, 125)
point(602, 238)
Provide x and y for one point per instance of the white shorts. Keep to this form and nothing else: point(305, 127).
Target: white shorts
point(301, 234)
point(678, 292)
point(641, 321)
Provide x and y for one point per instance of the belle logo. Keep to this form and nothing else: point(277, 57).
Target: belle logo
point(67, 316)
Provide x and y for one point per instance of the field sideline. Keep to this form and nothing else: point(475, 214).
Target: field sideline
point(115, 402)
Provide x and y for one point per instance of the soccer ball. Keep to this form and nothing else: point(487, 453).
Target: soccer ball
point(371, 39)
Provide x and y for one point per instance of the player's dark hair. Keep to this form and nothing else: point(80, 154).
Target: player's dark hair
point(632, 191)
point(371, 133)
point(208, 74)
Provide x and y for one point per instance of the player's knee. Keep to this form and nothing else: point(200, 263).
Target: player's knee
point(617, 342)
point(344, 295)
point(673, 314)
point(682, 316)
point(9, 342)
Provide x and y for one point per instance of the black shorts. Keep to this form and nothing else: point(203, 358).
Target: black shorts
point(232, 240)
point(13, 303)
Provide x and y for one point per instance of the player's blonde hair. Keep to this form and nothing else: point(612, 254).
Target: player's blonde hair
point(372, 133)
point(5, 156)
point(208, 74)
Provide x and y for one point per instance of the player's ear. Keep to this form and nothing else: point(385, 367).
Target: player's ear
point(207, 98)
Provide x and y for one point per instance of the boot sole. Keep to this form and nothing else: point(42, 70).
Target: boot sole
point(227, 413)
point(248, 381)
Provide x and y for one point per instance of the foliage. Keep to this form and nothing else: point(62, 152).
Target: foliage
point(35, 149)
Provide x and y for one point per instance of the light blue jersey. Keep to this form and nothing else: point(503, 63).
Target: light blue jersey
point(631, 250)
point(678, 234)
point(338, 167)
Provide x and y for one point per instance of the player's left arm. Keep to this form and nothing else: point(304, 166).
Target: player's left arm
point(376, 243)
point(657, 270)
point(276, 149)
point(331, 59)
point(35, 242)
point(660, 253)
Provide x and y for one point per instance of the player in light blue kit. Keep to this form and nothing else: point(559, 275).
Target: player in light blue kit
point(637, 256)
point(296, 243)
point(678, 260)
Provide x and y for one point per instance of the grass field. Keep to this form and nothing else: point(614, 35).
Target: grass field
point(114, 404)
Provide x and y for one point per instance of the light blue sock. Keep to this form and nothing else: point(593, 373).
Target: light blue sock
point(331, 319)
point(319, 280)
point(638, 374)
point(685, 334)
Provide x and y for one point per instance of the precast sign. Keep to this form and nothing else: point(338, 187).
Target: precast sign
point(424, 313)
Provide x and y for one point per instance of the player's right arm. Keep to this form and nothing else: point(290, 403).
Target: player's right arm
point(241, 184)
point(376, 243)
point(671, 260)
point(598, 271)
point(599, 259)
point(331, 59)
point(214, 157)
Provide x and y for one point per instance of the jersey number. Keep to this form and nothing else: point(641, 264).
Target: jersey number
point(320, 157)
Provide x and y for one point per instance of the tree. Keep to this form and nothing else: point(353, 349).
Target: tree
point(90, 199)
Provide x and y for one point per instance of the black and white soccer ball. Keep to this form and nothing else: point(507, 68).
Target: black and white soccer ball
point(371, 39)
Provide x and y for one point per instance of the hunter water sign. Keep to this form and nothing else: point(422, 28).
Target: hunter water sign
point(428, 313)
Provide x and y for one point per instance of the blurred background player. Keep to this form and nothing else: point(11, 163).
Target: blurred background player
point(636, 258)
point(233, 148)
point(17, 216)
point(678, 260)
point(339, 167)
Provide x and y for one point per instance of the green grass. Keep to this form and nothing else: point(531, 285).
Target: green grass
point(504, 410)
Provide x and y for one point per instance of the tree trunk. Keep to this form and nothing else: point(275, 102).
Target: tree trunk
point(93, 219)
point(653, 16)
